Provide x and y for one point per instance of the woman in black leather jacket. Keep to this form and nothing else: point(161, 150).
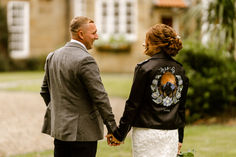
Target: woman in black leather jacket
point(156, 104)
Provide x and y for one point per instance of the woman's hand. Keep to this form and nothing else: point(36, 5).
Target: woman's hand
point(179, 147)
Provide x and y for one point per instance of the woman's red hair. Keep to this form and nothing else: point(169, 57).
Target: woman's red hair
point(162, 37)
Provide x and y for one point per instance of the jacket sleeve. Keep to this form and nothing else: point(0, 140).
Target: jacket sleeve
point(45, 91)
point(182, 107)
point(132, 104)
point(45, 88)
point(90, 76)
point(181, 134)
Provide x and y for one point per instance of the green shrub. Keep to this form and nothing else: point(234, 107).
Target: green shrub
point(212, 77)
point(32, 63)
point(4, 59)
point(186, 154)
point(4, 63)
point(26, 64)
point(3, 32)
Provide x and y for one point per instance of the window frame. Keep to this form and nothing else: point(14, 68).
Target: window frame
point(79, 7)
point(116, 27)
point(18, 26)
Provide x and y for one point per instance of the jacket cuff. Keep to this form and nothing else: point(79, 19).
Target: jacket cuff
point(121, 132)
point(111, 126)
point(118, 136)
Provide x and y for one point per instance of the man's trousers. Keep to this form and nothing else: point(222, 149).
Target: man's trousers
point(75, 148)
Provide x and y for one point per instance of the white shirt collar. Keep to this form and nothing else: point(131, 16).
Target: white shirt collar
point(76, 41)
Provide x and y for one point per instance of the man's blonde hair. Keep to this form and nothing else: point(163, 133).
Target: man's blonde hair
point(77, 22)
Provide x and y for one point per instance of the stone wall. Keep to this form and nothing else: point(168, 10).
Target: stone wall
point(48, 25)
point(126, 61)
point(49, 30)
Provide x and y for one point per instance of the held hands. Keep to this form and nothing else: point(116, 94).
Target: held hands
point(112, 141)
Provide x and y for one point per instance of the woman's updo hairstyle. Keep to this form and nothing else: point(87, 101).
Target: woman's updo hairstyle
point(162, 37)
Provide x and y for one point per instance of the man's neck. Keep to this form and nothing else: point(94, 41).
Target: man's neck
point(76, 41)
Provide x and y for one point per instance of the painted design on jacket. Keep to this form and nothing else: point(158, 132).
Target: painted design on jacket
point(166, 87)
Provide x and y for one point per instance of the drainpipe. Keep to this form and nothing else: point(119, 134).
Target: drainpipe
point(67, 18)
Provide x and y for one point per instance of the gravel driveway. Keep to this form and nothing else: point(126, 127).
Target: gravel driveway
point(21, 117)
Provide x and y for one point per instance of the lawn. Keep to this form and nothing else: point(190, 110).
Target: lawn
point(115, 84)
point(21, 81)
point(207, 141)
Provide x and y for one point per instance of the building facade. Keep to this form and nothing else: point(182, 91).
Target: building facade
point(38, 27)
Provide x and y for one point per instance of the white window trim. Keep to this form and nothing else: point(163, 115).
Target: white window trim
point(25, 28)
point(176, 23)
point(79, 7)
point(110, 19)
point(205, 23)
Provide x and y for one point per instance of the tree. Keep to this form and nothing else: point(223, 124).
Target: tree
point(222, 24)
point(3, 33)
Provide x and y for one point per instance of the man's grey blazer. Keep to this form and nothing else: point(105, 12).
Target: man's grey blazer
point(77, 104)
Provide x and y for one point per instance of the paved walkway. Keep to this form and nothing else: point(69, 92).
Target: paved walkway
point(21, 118)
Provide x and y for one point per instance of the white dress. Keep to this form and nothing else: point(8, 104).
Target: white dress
point(154, 143)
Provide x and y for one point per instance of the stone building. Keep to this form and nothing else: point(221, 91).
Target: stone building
point(37, 27)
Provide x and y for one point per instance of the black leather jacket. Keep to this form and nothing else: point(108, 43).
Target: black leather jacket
point(157, 97)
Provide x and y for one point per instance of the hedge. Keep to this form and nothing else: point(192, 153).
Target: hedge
point(212, 88)
point(26, 64)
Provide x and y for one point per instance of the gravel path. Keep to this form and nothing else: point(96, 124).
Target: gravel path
point(21, 118)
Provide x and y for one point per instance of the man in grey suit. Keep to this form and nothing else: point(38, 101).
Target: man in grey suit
point(77, 104)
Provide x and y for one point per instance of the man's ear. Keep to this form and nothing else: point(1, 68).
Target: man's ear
point(81, 34)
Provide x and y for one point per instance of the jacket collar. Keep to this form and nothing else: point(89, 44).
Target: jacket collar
point(161, 54)
point(74, 44)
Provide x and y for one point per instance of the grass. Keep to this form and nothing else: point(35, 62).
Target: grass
point(211, 141)
point(207, 141)
point(15, 76)
point(123, 150)
point(115, 84)
point(21, 81)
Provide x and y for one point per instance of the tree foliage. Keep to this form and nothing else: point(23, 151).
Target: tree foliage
point(212, 85)
point(215, 20)
point(222, 23)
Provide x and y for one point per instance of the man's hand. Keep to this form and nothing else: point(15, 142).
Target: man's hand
point(179, 147)
point(112, 141)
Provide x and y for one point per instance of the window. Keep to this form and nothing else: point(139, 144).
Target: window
point(79, 7)
point(18, 25)
point(116, 18)
point(167, 20)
